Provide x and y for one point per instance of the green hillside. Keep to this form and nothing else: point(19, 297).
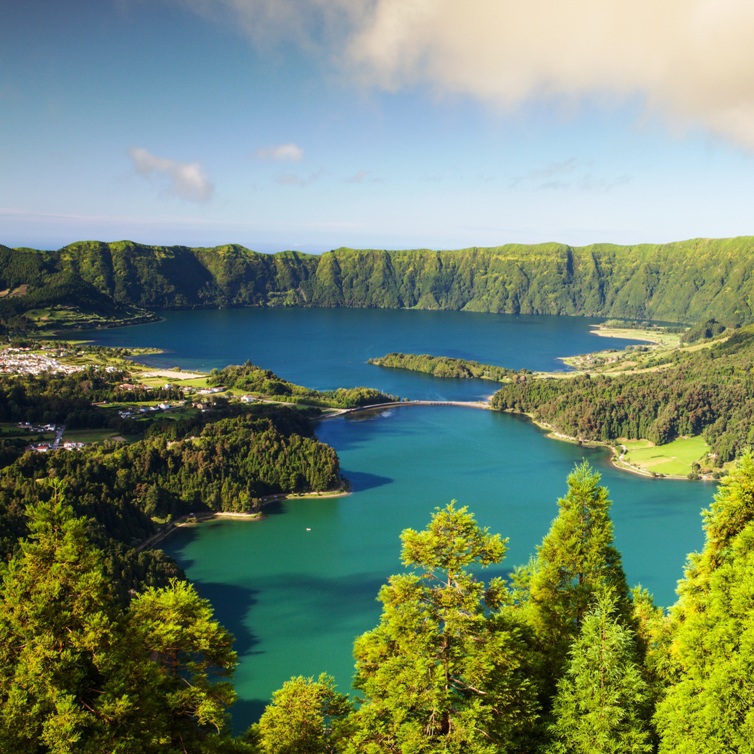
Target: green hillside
point(677, 282)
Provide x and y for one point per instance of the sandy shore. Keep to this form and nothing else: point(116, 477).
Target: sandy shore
point(173, 374)
point(626, 333)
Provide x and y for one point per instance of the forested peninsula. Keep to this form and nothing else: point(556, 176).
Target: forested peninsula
point(91, 282)
point(445, 367)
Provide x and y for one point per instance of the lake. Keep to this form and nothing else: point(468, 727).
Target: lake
point(297, 587)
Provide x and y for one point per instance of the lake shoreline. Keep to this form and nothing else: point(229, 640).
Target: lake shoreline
point(615, 456)
point(189, 520)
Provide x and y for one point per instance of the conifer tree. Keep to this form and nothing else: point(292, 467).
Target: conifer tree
point(194, 654)
point(446, 669)
point(68, 682)
point(710, 706)
point(79, 674)
point(601, 703)
point(304, 717)
point(575, 562)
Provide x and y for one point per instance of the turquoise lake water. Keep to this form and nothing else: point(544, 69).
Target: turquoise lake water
point(298, 586)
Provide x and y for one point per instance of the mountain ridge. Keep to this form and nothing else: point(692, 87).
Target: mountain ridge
point(681, 281)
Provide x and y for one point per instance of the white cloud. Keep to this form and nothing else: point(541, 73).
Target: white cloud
point(184, 179)
point(280, 152)
point(690, 60)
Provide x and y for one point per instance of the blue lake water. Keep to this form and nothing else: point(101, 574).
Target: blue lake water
point(298, 586)
point(329, 348)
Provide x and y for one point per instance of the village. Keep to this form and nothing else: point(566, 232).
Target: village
point(30, 361)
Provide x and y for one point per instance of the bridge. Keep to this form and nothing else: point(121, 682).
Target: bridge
point(398, 404)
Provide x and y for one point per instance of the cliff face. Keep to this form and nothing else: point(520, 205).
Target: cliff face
point(680, 282)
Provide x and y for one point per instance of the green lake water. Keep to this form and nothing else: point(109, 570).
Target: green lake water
point(297, 587)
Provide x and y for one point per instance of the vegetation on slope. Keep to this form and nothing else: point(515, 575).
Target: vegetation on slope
point(680, 282)
point(255, 380)
point(226, 456)
point(80, 672)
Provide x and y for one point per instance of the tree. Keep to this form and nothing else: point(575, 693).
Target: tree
point(304, 717)
point(602, 700)
point(575, 562)
point(68, 678)
point(194, 653)
point(79, 674)
point(446, 669)
point(710, 705)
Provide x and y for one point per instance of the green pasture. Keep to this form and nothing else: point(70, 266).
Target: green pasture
point(675, 458)
point(89, 435)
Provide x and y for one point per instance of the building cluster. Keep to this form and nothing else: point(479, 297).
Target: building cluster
point(26, 361)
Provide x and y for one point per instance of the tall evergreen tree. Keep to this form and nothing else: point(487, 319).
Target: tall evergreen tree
point(194, 653)
point(445, 670)
point(575, 562)
point(710, 706)
point(601, 704)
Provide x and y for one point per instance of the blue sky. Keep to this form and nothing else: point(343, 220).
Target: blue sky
point(313, 124)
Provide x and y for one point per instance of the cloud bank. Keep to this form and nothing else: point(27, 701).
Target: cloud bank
point(186, 180)
point(692, 61)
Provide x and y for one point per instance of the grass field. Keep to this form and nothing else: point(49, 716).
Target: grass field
point(674, 459)
point(89, 435)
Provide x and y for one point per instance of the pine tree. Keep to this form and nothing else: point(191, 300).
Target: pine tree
point(710, 706)
point(601, 703)
point(304, 717)
point(81, 675)
point(194, 653)
point(67, 679)
point(575, 562)
point(446, 669)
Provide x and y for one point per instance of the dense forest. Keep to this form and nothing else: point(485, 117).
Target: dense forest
point(709, 392)
point(229, 456)
point(676, 282)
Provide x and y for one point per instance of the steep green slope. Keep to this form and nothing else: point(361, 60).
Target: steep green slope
point(679, 282)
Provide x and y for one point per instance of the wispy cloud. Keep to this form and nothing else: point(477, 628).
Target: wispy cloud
point(186, 180)
point(310, 23)
point(293, 179)
point(358, 177)
point(563, 175)
point(280, 153)
point(557, 168)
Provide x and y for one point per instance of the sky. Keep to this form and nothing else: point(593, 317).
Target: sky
point(314, 124)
